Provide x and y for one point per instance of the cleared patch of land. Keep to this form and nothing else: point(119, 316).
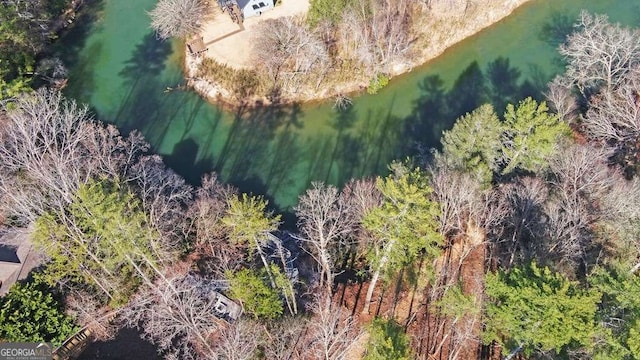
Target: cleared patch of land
point(229, 43)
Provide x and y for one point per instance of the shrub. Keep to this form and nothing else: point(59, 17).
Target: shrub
point(388, 341)
point(377, 82)
point(29, 313)
point(257, 297)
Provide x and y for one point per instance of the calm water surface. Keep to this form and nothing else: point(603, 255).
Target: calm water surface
point(122, 72)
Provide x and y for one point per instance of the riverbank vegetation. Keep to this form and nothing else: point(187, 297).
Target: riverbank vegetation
point(520, 235)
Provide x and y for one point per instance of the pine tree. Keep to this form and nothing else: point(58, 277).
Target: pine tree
point(28, 313)
point(404, 226)
point(249, 223)
point(473, 144)
point(251, 288)
point(618, 334)
point(387, 341)
point(534, 308)
point(530, 135)
point(102, 239)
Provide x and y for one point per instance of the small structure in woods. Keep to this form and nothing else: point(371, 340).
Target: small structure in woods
point(196, 46)
point(225, 308)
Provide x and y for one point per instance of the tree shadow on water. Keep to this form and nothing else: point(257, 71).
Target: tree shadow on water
point(184, 161)
point(81, 84)
point(148, 59)
point(504, 82)
point(469, 91)
point(555, 31)
point(260, 148)
point(141, 76)
point(437, 109)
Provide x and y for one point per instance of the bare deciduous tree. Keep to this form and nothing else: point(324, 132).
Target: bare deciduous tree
point(614, 116)
point(457, 313)
point(89, 313)
point(285, 49)
point(376, 33)
point(165, 198)
point(460, 199)
point(205, 214)
point(363, 196)
point(285, 340)
point(325, 219)
point(613, 119)
point(561, 99)
point(177, 315)
point(238, 341)
point(48, 147)
point(523, 201)
point(332, 330)
point(580, 180)
point(623, 202)
point(600, 54)
point(178, 18)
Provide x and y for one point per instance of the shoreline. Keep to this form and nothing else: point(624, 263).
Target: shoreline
point(460, 27)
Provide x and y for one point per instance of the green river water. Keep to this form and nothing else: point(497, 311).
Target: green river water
point(122, 71)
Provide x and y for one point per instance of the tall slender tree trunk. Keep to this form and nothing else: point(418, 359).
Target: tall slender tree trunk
point(514, 352)
point(372, 286)
point(289, 296)
point(328, 275)
point(376, 276)
point(265, 263)
point(102, 287)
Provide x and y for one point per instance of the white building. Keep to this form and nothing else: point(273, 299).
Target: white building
point(254, 7)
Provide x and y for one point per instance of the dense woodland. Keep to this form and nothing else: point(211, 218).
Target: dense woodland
point(519, 237)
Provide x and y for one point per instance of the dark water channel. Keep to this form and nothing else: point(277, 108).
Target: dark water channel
point(122, 72)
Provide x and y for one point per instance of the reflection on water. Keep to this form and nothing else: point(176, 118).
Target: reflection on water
point(130, 78)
